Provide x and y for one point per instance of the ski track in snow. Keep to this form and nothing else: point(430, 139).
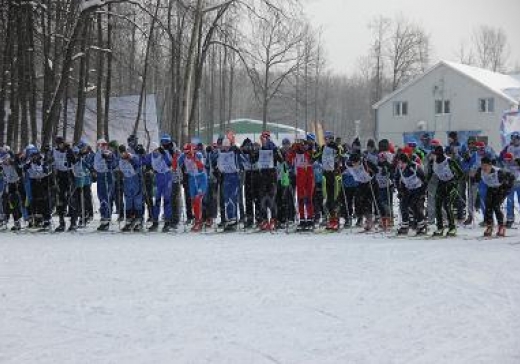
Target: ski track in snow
point(261, 298)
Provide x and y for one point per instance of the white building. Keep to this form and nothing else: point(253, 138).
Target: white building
point(448, 97)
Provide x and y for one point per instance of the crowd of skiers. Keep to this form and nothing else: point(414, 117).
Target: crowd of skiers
point(261, 185)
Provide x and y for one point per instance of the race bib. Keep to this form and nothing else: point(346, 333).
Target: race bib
point(265, 159)
point(226, 162)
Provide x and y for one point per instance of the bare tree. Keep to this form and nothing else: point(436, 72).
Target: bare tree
point(271, 54)
point(408, 51)
point(491, 48)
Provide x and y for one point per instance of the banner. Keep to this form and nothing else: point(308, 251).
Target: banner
point(510, 123)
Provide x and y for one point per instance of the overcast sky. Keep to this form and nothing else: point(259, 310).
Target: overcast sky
point(347, 37)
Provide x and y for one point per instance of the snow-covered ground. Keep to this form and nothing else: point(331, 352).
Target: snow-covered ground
point(255, 298)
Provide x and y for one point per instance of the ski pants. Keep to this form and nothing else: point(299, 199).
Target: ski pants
point(267, 192)
point(211, 199)
point(133, 191)
point(445, 198)
point(231, 185)
point(305, 192)
point(251, 196)
point(41, 199)
point(318, 201)
point(367, 195)
point(13, 199)
point(412, 200)
point(331, 185)
point(187, 196)
point(64, 183)
point(511, 202)
point(430, 204)
point(175, 202)
point(477, 189)
point(385, 197)
point(494, 199)
point(79, 204)
point(105, 192)
point(163, 195)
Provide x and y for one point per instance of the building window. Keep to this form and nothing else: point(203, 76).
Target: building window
point(486, 105)
point(442, 107)
point(400, 108)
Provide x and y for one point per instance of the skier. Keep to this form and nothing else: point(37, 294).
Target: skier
point(300, 158)
point(104, 165)
point(159, 161)
point(130, 167)
point(330, 155)
point(499, 183)
point(197, 181)
point(250, 153)
point(448, 173)
point(363, 172)
point(411, 187)
point(14, 190)
point(384, 178)
point(268, 158)
point(62, 154)
point(512, 166)
point(229, 164)
point(81, 198)
point(38, 171)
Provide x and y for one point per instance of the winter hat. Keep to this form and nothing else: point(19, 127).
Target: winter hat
point(384, 145)
point(438, 150)
point(354, 158)
point(311, 137)
point(453, 135)
point(113, 144)
point(59, 140)
point(328, 135)
point(371, 143)
point(435, 143)
point(485, 160)
point(402, 157)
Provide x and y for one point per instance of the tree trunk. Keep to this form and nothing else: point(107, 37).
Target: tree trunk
point(52, 115)
point(145, 72)
point(99, 86)
point(83, 83)
point(108, 87)
point(188, 74)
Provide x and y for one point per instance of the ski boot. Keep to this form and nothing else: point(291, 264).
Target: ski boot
point(138, 226)
point(231, 226)
point(60, 228)
point(129, 226)
point(422, 229)
point(438, 233)
point(452, 232)
point(197, 226)
point(264, 225)
point(166, 227)
point(334, 224)
point(154, 227)
point(272, 225)
point(17, 226)
point(359, 222)
point(46, 226)
point(385, 223)
point(403, 230)
point(501, 231)
point(104, 226)
point(209, 223)
point(509, 224)
point(73, 226)
point(489, 231)
point(348, 223)
point(369, 225)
